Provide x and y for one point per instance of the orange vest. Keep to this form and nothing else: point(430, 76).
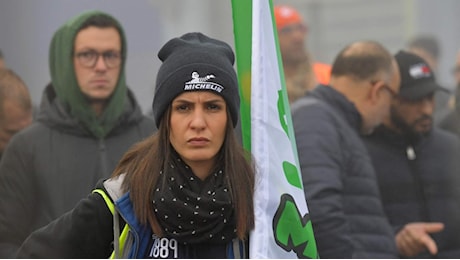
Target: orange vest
point(322, 72)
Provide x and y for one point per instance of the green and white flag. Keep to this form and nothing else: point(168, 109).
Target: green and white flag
point(283, 228)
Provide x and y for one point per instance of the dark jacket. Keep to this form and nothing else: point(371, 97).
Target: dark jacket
point(339, 181)
point(419, 181)
point(51, 165)
point(87, 232)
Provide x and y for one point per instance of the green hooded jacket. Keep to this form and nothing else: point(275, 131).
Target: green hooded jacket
point(65, 83)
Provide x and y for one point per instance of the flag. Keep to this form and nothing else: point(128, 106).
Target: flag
point(282, 225)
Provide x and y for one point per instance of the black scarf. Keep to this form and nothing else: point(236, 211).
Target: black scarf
point(191, 210)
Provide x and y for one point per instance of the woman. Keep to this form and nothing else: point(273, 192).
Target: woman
point(186, 191)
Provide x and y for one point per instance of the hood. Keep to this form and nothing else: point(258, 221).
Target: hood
point(65, 84)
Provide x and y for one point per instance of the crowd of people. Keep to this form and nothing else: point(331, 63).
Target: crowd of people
point(88, 175)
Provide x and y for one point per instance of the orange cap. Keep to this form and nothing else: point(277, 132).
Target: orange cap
point(285, 15)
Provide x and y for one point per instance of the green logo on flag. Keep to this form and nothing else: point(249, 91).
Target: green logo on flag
point(292, 231)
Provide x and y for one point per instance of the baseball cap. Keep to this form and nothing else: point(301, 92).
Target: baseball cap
point(417, 78)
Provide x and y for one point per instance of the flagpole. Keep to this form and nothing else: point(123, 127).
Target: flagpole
point(242, 20)
point(282, 224)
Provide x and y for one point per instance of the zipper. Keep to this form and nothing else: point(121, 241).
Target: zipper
point(103, 153)
point(419, 189)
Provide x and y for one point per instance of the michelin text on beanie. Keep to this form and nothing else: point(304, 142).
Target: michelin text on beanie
point(195, 62)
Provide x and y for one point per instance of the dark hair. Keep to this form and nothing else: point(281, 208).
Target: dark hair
point(363, 61)
point(13, 88)
point(144, 161)
point(428, 43)
point(1, 54)
point(100, 21)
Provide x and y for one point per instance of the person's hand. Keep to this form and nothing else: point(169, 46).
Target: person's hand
point(415, 237)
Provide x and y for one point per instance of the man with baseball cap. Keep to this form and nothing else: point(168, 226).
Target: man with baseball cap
point(301, 72)
point(418, 168)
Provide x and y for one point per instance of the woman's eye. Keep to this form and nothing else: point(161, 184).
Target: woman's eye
point(182, 107)
point(213, 107)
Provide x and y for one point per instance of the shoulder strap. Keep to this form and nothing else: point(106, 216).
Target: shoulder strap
point(107, 200)
point(238, 249)
point(113, 187)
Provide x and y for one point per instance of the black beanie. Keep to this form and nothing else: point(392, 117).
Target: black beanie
point(195, 62)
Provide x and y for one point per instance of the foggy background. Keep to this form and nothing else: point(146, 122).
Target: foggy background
point(26, 28)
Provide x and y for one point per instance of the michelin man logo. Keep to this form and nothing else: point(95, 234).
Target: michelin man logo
point(202, 83)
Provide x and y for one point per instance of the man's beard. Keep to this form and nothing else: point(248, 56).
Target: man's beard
point(409, 130)
point(296, 57)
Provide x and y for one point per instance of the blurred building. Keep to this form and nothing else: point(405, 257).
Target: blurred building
point(26, 28)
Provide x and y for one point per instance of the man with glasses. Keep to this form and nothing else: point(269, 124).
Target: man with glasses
point(418, 167)
point(338, 178)
point(300, 71)
point(88, 119)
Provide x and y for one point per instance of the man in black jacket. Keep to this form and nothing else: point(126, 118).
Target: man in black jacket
point(339, 181)
point(417, 167)
point(88, 119)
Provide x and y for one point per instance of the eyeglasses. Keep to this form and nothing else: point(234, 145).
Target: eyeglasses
point(89, 58)
point(391, 91)
point(386, 87)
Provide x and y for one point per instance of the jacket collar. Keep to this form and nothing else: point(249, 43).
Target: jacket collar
point(340, 104)
point(55, 114)
point(141, 233)
point(392, 137)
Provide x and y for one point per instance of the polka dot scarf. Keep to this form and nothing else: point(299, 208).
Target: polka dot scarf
point(191, 210)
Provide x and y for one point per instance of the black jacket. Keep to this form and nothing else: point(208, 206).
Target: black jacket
point(419, 181)
point(48, 167)
point(339, 181)
point(87, 232)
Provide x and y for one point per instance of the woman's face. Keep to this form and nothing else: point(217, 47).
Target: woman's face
point(198, 123)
